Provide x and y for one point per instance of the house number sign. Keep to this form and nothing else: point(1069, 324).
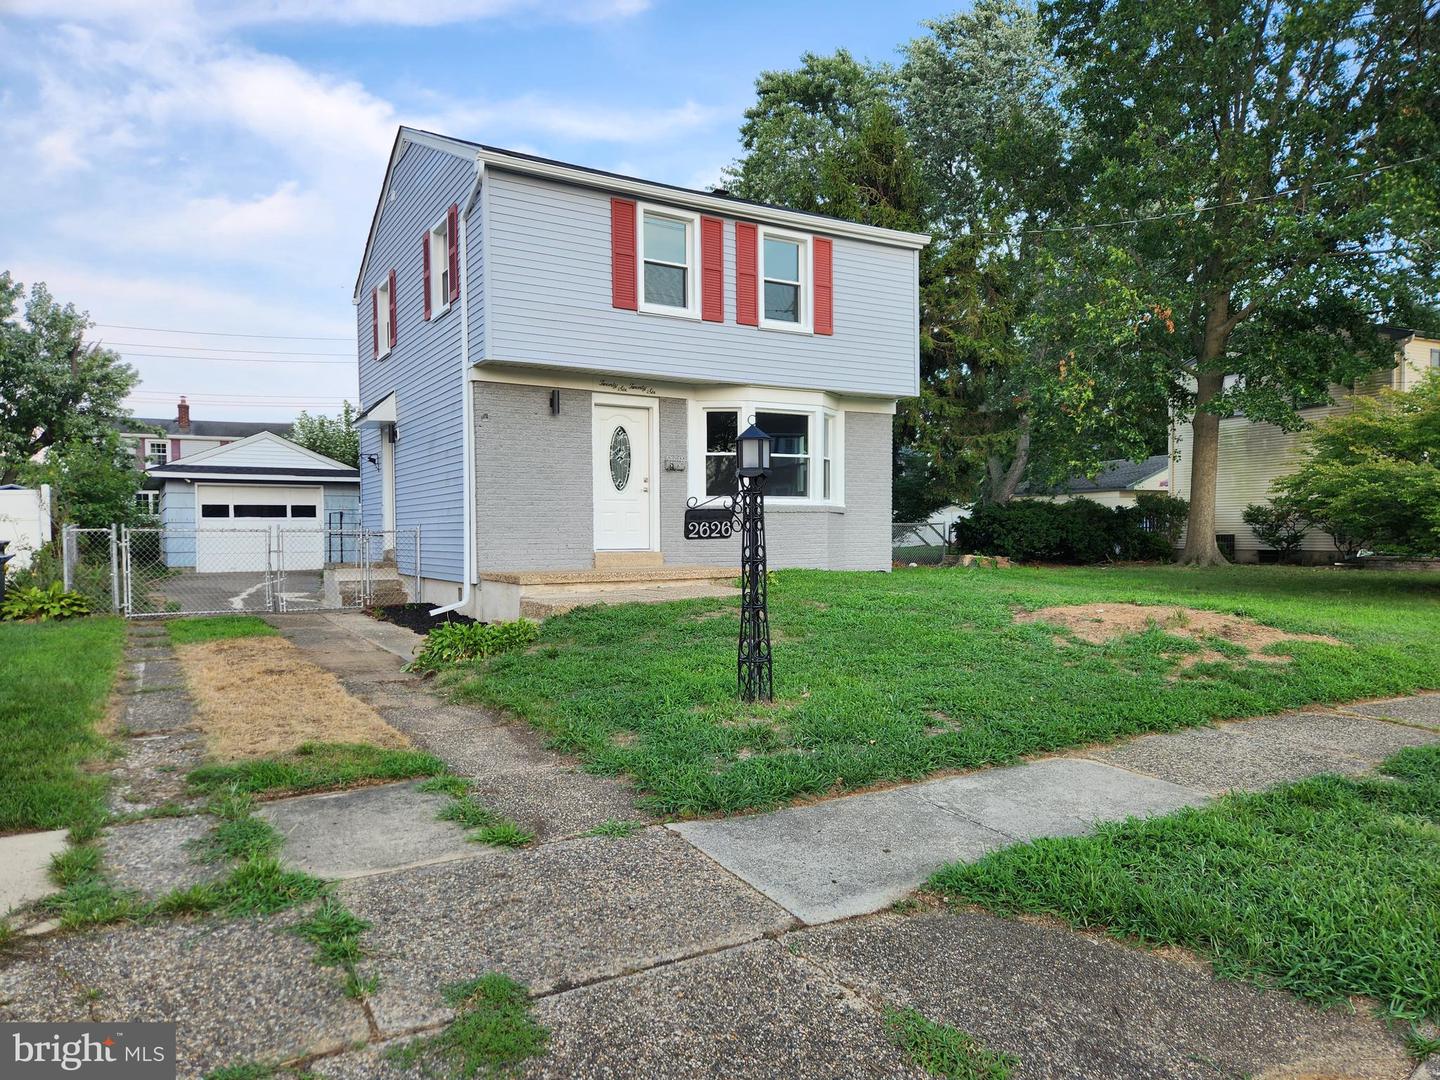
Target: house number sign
point(709, 524)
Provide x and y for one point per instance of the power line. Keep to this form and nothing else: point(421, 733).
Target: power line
point(236, 359)
point(222, 333)
point(203, 348)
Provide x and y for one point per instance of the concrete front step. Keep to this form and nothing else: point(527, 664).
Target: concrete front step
point(506, 595)
point(618, 560)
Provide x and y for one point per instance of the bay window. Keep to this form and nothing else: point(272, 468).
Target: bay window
point(789, 453)
point(803, 453)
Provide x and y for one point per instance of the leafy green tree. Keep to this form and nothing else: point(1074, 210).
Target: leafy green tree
point(1372, 477)
point(94, 482)
point(336, 437)
point(1264, 182)
point(1278, 524)
point(58, 391)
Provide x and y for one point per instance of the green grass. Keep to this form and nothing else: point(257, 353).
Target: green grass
point(54, 681)
point(335, 931)
point(1327, 887)
point(491, 1034)
point(617, 830)
point(945, 1051)
point(485, 825)
point(316, 767)
point(216, 628)
point(885, 677)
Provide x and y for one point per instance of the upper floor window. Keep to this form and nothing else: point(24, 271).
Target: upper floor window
point(157, 451)
point(785, 281)
point(440, 268)
point(385, 316)
point(668, 262)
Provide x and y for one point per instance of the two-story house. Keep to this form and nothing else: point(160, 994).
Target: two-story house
point(1254, 455)
point(554, 360)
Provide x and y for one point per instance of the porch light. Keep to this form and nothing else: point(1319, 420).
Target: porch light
point(752, 452)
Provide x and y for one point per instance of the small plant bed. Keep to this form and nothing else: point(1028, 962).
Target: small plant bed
point(1328, 888)
point(485, 825)
point(415, 617)
point(492, 1033)
point(217, 628)
point(255, 695)
point(890, 677)
point(316, 767)
point(458, 643)
point(945, 1051)
point(55, 679)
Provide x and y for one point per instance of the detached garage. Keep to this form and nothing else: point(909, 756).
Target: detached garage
point(226, 510)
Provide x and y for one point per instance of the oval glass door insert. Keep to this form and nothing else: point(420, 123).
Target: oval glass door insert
point(620, 458)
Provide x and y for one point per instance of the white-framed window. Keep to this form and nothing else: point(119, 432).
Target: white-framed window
point(804, 452)
point(668, 243)
point(147, 502)
point(785, 281)
point(157, 451)
point(440, 267)
point(384, 328)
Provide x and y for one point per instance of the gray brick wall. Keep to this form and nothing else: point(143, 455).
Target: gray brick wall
point(532, 479)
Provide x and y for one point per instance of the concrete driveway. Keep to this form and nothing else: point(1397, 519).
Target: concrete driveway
point(301, 590)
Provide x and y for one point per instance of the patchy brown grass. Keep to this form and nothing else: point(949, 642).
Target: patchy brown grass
point(1099, 623)
point(256, 696)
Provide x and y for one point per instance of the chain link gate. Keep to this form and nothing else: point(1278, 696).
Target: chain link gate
point(148, 572)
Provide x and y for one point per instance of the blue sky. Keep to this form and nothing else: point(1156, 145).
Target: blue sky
point(203, 165)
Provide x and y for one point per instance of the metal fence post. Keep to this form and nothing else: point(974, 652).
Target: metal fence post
point(67, 547)
point(114, 571)
point(417, 564)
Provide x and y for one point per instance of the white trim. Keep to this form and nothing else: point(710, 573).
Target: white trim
point(382, 412)
point(657, 469)
point(385, 333)
point(249, 440)
point(164, 442)
point(253, 478)
point(691, 310)
point(442, 227)
point(806, 282)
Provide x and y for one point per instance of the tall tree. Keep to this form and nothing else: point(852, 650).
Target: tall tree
point(57, 390)
point(1265, 182)
point(336, 437)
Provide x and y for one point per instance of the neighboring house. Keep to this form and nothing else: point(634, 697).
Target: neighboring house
point(1254, 455)
point(221, 507)
point(1116, 484)
point(554, 359)
point(24, 521)
point(160, 442)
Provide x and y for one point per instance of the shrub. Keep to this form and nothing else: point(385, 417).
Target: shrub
point(51, 602)
point(456, 642)
point(1079, 531)
point(1280, 525)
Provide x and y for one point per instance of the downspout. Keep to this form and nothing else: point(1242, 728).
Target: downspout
point(467, 434)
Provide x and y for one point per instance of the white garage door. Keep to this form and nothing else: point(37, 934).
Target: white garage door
point(237, 525)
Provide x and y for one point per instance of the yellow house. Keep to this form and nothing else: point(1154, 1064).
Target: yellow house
point(1254, 455)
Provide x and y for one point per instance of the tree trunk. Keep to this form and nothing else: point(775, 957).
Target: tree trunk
point(1004, 480)
point(1200, 546)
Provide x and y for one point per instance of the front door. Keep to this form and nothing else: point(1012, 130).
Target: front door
point(622, 478)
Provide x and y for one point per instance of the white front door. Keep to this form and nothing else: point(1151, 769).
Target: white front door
point(622, 478)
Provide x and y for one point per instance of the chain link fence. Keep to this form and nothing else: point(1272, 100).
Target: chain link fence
point(917, 543)
point(213, 571)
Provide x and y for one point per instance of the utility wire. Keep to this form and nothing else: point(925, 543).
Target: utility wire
point(205, 348)
point(236, 359)
point(221, 333)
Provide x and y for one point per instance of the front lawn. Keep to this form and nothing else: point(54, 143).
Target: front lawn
point(54, 681)
point(1329, 887)
point(884, 677)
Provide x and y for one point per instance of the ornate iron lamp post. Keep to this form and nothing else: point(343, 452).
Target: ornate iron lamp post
point(752, 466)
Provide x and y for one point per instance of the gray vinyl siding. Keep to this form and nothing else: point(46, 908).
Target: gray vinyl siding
point(534, 500)
point(548, 262)
point(422, 370)
point(177, 513)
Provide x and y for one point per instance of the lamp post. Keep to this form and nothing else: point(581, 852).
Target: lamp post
point(752, 466)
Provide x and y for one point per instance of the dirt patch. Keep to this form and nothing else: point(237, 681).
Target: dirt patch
point(1099, 623)
point(256, 696)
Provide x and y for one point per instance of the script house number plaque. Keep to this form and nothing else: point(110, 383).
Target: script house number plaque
point(709, 523)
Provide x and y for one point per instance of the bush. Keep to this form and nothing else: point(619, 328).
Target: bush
point(1079, 531)
point(52, 602)
point(1280, 526)
point(456, 642)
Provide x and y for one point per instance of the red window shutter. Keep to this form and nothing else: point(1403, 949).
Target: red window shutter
point(712, 269)
point(394, 324)
point(623, 291)
point(822, 256)
point(425, 269)
point(174, 450)
point(452, 230)
point(375, 321)
point(747, 274)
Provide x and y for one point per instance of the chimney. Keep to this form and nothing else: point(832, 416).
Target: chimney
point(182, 415)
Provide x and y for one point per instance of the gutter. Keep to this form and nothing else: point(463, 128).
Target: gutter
point(467, 434)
